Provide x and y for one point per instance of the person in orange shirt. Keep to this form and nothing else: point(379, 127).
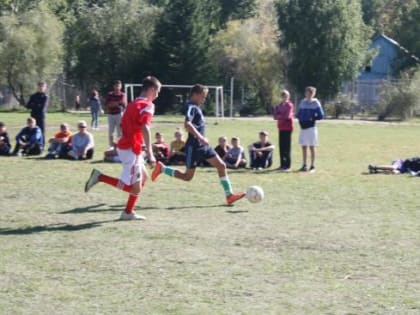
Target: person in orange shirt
point(59, 144)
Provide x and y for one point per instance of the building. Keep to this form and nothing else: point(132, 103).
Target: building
point(383, 67)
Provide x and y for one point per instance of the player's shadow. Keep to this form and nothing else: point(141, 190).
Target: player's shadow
point(101, 207)
point(58, 227)
point(194, 207)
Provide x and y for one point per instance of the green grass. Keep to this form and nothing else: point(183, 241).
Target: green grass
point(334, 242)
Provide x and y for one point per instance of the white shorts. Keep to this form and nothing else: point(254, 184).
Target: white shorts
point(309, 137)
point(132, 166)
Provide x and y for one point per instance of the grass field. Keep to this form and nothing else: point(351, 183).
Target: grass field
point(333, 242)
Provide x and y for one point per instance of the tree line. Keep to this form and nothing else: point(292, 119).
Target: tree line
point(265, 44)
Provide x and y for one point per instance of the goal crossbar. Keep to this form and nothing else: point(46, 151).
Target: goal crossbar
point(219, 104)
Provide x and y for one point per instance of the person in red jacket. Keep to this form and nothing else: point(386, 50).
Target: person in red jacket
point(284, 115)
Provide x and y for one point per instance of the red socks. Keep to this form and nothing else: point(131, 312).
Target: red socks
point(132, 198)
point(131, 202)
point(114, 182)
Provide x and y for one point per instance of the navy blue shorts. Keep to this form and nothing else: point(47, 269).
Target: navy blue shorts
point(196, 155)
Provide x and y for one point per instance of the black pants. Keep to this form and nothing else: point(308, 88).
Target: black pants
point(285, 145)
point(40, 122)
point(261, 161)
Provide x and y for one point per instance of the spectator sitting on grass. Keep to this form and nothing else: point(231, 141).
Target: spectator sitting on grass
point(261, 152)
point(222, 148)
point(82, 144)
point(235, 157)
point(160, 148)
point(29, 140)
point(59, 144)
point(4, 140)
point(177, 151)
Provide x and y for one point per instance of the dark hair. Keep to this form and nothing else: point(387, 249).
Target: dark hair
point(117, 82)
point(2, 124)
point(158, 134)
point(199, 89)
point(151, 82)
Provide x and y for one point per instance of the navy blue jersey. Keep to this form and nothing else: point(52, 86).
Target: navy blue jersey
point(195, 116)
point(38, 104)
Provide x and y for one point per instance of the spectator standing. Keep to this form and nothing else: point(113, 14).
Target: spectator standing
point(38, 104)
point(261, 152)
point(310, 110)
point(284, 115)
point(29, 140)
point(114, 105)
point(95, 108)
point(82, 143)
point(4, 140)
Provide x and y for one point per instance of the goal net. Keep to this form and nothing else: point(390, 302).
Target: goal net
point(173, 97)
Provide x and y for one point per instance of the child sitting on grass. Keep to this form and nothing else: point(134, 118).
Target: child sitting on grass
point(59, 144)
point(235, 156)
point(4, 140)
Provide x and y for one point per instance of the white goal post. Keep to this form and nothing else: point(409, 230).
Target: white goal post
point(218, 89)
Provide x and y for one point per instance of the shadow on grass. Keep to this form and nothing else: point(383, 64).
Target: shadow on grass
point(53, 228)
point(97, 208)
point(236, 211)
point(195, 207)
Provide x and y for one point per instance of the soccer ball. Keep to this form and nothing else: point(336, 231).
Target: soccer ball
point(255, 194)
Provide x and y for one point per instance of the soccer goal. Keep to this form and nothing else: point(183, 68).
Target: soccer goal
point(132, 90)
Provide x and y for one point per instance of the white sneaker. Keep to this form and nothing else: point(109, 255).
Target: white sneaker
point(131, 216)
point(93, 179)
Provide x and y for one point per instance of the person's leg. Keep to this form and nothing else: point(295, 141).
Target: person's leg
point(253, 157)
point(92, 115)
point(191, 160)
point(304, 155)
point(118, 125)
point(16, 149)
point(313, 151)
point(287, 149)
point(111, 127)
point(281, 151)
point(89, 154)
point(282, 148)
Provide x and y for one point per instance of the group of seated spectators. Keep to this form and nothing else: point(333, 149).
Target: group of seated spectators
point(80, 146)
point(233, 154)
point(64, 144)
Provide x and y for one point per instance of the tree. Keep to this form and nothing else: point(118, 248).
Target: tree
point(327, 42)
point(27, 52)
point(408, 32)
point(110, 41)
point(247, 49)
point(180, 46)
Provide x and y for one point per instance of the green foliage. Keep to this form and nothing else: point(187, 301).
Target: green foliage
point(400, 99)
point(327, 42)
point(180, 46)
point(247, 49)
point(341, 105)
point(28, 53)
point(109, 42)
point(408, 32)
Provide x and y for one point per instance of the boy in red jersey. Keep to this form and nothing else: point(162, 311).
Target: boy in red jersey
point(135, 125)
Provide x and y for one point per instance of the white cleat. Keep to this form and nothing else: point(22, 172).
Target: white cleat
point(93, 179)
point(131, 216)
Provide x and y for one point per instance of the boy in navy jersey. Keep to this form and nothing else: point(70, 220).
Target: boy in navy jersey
point(197, 147)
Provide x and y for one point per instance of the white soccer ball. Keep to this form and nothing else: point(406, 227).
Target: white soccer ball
point(255, 194)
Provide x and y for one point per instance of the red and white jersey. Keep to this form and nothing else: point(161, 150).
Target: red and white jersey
point(137, 114)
